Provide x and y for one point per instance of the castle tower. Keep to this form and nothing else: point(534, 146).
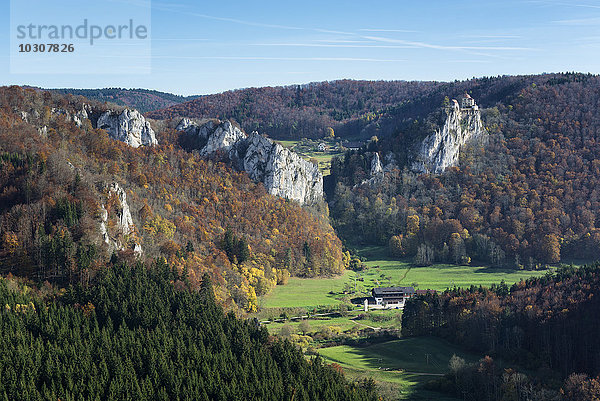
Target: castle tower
point(467, 101)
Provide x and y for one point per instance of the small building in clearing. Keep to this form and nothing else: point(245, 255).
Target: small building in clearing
point(389, 297)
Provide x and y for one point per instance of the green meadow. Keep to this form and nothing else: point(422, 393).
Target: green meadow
point(403, 365)
point(381, 271)
point(399, 367)
point(308, 150)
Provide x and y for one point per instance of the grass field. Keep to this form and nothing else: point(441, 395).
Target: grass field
point(409, 363)
point(343, 323)
point(384, 272)
point(308, 152)
point(288, 144)
point(303, 292)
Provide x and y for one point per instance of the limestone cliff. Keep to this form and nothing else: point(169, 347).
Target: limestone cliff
point(376, 167)
point(128, 126)
point(282, 172)
point(378, 170)
point(441, 149)
point(222, 137)
point(124, 228)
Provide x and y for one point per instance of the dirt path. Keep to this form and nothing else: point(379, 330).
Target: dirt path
point(366, 325)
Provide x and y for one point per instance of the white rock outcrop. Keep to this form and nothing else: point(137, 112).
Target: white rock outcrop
point(78, 117)
point(441, 149)
point(224, 137)
point(189, 127)
point(128, 126)
point(282, 172)
point(84, 114)
point(124, 225)
point(376, 167)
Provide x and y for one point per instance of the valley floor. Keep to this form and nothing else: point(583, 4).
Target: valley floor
point(400, 366)
point(382, 271)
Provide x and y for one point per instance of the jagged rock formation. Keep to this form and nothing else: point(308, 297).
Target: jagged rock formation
point(128, 126)
point(124, 225)
point(376, 167)
point(188, 126)
point(78, 117)
point(378, 170)
point(442, 149)
point(224, 137)
point(282, 172)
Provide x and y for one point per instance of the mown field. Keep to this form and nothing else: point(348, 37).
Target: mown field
point(399, 367)
point(300, 292)
point(387, 319)
point(404, 364)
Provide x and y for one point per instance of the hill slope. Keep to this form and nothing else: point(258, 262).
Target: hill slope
point(143, 100)
point(73, 200)
point(143, 334)
point(549, 325)
point(305, 111)
point(528, 197)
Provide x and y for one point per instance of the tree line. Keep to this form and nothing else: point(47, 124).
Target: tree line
point(547, 326)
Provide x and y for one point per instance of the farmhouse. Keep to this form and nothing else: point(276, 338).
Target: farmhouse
point(389, 297)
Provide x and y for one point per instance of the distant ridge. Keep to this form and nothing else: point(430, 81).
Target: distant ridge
point(144, 100)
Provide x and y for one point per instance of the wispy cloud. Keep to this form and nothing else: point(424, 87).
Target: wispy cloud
point(254, 58)
point(180, 9)
point(469, 61)
point(579, 22)
point(445, 47)
point(388, 30)
point(330, 31)
point(334, 45)
point(342, 41)
point(492, 36)
point(587, 6)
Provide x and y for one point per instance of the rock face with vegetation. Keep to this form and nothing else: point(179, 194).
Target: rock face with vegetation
point(376, 167)
point(128, 126)
point(116, 200)
point(441, 149)
point(63, 220)
point(283, 173)
point(223, 137)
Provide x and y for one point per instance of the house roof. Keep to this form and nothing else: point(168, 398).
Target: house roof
point(390, 291)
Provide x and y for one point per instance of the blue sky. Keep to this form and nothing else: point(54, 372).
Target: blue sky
point(201, 47)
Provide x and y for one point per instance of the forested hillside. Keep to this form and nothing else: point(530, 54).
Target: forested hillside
point(143, 100)
point(529, 197)
point(547, 325)
point(63, 214)
point(144, 334)
point(351, 108)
